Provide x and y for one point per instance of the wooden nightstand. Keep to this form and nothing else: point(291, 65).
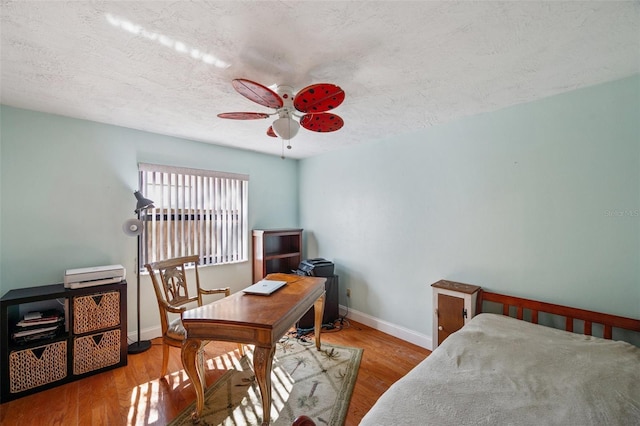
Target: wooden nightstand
point(454, 304)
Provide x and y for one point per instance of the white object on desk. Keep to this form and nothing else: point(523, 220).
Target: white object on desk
point(264, 287)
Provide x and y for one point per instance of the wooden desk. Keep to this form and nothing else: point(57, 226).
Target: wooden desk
point(255, 320)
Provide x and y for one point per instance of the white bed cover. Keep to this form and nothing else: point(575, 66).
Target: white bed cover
point(501, 371)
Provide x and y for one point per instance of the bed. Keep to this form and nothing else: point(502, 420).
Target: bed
point(501, 370)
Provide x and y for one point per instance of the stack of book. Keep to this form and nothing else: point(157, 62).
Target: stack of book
point(38, 325)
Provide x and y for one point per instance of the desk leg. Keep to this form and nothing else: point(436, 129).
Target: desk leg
point(262, 363)
point(318, 307)
point(193, 363)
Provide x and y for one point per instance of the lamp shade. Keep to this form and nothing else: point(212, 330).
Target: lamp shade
point(143, 203)
point(286, 127)
point(133, 227)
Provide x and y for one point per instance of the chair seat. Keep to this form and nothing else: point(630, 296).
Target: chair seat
point(176, 330)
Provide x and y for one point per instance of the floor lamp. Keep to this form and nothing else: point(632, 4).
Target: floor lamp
point(135, 227)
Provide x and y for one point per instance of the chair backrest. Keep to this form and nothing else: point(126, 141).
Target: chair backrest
point(170, 284)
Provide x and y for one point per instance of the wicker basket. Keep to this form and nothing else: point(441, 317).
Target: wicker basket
point(96, 312)
point(96, 351)
point(37, 366)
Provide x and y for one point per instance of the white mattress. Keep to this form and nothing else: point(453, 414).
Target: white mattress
point(501, 371)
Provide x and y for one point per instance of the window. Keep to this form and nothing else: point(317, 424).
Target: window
point(196, 212)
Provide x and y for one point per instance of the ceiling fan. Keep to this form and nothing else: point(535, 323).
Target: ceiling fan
point(313, 102)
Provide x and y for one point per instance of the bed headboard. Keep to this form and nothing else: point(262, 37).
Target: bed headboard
point(570, 314)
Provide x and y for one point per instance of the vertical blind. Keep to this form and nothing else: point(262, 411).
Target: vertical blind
point(196, 212)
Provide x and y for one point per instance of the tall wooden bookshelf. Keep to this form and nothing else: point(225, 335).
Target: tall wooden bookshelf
point(276, 250)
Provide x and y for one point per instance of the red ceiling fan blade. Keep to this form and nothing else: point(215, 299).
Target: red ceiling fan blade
point(271, 133)
point(243, 115)
point(322, 122)
point(318, 98)
point(257, 93)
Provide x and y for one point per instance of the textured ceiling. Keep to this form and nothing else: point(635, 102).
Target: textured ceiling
point(166, 66)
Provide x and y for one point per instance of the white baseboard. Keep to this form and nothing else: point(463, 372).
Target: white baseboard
point(145, 334)
point(389, 328)
point(375, 323)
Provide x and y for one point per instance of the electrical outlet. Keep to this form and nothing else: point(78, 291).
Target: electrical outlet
point(348, 292)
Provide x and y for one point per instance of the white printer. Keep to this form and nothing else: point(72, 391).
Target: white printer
point(95, 275)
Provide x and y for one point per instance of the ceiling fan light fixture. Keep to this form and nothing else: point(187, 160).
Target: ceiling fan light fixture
point(286, 127)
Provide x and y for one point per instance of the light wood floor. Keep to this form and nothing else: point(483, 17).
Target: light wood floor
point(135, 395)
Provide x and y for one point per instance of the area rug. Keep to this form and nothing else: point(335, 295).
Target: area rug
point(305, 381)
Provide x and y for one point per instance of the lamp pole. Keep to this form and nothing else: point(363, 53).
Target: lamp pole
point(140, 345)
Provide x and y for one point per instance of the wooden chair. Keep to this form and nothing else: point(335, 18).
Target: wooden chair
point(170, 284)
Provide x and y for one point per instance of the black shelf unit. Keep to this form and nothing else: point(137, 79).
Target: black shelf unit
point(93, 339)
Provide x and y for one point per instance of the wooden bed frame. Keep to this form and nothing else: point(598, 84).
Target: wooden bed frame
point(588, 317)
point(534, 307)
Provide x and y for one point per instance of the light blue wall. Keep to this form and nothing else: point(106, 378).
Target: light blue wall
point(67, 187)
point(538, 200)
